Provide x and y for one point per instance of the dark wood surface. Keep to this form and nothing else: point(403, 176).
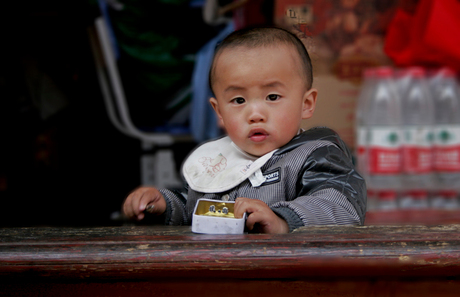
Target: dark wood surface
point(142, 260)
point(426, 217)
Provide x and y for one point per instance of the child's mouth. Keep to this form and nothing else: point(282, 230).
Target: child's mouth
point(258, 135)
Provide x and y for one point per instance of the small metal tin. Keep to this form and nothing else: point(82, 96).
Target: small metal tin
point(216, 217)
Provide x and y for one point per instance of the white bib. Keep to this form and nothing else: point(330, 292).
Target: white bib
point(220, 165)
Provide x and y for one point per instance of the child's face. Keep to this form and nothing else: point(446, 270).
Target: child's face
point(261, 96)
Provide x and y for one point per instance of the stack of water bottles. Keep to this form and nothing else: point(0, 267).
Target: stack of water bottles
point(408, 138)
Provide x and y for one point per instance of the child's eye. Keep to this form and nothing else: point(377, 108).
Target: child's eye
point(238, 100)
point(273, 97)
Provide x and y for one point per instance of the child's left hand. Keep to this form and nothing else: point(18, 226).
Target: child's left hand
point(259, 213)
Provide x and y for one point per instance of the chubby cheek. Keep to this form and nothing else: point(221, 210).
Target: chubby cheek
point(233, 127)
point(287, 119)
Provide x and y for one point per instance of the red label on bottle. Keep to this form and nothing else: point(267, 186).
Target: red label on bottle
point(384, 160)
point(447, 158)
point(417, 159)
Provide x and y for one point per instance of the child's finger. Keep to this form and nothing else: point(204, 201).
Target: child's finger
point(134, 205)
point(135, 201)
point(128, 209)
point(150, 200)
point(145, 198)
point(241, 206)
point(252, 219)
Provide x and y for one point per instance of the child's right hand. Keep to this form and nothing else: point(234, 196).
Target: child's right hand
point(136, 202)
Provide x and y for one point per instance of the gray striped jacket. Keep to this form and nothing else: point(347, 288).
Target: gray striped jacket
point(312, 181)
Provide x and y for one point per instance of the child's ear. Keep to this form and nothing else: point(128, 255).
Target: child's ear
point(309, 103)
point(215, 106)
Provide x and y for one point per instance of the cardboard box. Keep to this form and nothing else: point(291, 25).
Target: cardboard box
point(335, 106)
point(343, 38)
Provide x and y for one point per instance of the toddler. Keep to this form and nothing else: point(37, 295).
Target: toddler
point(281, 176)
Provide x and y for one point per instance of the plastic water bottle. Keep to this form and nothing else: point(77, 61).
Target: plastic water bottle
point(447, 138)
point(368, 85)
point(383, 121)
point(403, 79)
point(418, 120)
point(387, 200)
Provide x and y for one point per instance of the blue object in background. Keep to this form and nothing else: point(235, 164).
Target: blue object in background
point(203, 120)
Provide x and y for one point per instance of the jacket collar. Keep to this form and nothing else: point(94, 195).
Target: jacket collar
point(314, 134)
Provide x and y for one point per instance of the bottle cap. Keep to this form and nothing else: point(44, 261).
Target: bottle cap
point(450, 194)
point(418, 194)
point(416, 71)
point(446, 72)
point(387, 195)
point(400, 72)
point(384, 71)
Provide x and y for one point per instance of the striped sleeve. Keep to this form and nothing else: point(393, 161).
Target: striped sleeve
point(175, 213)
point(328, 191)
point(325, 207)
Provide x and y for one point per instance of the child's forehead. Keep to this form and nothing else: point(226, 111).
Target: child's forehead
point(235, 56)
point(278, 48)
point(280, 51)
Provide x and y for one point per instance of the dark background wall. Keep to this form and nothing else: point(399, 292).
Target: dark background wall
point(68, 166)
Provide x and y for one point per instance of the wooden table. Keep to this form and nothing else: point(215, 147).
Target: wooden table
point(170, 261)
point(426, 217)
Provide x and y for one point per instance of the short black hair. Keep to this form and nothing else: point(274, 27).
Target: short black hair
point(253, 37)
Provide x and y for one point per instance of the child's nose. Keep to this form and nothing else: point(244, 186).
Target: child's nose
point(257, 114)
